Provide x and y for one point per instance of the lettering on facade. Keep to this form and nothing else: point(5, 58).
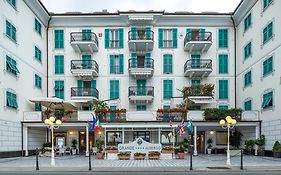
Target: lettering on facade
point(139, 145)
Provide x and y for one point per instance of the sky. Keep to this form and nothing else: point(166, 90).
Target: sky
point(61, 6)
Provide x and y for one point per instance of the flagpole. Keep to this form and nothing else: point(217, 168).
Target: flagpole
point(90, 163)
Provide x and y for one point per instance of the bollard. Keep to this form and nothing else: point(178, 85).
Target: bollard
point(241, 165)
point(191, 154)
point(37, 163)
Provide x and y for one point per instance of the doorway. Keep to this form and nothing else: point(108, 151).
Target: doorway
point(200, 142)
point(82, 141)
point(140, 61)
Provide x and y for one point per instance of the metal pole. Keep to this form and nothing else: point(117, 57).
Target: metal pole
point(53, 152)
point(191, 152)
point(228, 151)
point(241, 166)
point(90, 163)
point(37, 163)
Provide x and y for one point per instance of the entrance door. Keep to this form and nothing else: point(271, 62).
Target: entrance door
point(201, 142)
point(141, 87)
point(82, 141)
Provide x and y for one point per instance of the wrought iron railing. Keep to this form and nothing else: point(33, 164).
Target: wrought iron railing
point(141, 35)
point(85, 64)
point(135, 63)
point(197, 36)
point(84, 36)
point(141, 91)
point(197, 64)
point(84, 92)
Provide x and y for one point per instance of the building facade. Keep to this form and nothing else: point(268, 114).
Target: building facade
point(138, 61)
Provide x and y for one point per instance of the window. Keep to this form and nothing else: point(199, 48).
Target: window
point(267, 32)
point(11, 31)
point(59, 39)
point(86, 35)
point(248, 50)
point(87, 62)
point(196, 61)
point(223, 107)
point(12, 3)
point(116, 64)
point(37, 107)
point(195, 82)
point(114, 89)
point(167, 89)
point(248, 105)
point(11, 100)
point(167, 138)
point(141, 108)
point(247, 22)
point(59, 89)
point(223, 64)
point(59, 64)
point(248, 79)
point(37, 26)
point(38, 54)
point(38, 81)
point(114, 137)
point(267, 100)
point(114, 38)
point(167, 64)
point(167, 38)
point(223, 89)
point(11, 65)
point(267, 66)
point(145, 135)
point(223, 38)
point(221, 138)
point(266, 3)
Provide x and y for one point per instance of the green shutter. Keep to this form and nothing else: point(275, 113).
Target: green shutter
point(248, 105)
point(195, 61)
point(59, 89)
point(59, 64)
point(106, 38)
point(114, 89)
point(87, 61)
point(94, 86)
point(133, 33)
point(160, 38)
point(79, 87)
point(223, 64)
point(223, 89)
point(148, 62)
point(202, 34)
point(167, 89)
point(121, 64)
point(223, 38)
point(248, 78)
point(223, 107)
point(121, 38)
point(267, 100)
point(112, 115)
point(167, 64)
point(188, 34)
point(112, 64)
point(141, 107)
point(86, 34)
point(37, 107)
point(148, 33)
point(141, 87)
point(59, 39)
point(175, 38)
point(133, 60)
point(195, 82)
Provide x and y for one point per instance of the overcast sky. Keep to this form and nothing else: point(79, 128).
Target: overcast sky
point(60, 6)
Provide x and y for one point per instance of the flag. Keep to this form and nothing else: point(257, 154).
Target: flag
point(95, 125)
point(189, 125)
point(181, 126)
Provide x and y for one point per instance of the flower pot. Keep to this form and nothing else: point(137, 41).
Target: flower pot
point(277, 154)
point(167, 151)
point(100, 155)
point(139, 157)
point(111, 151)
point(181, 155)
point(124, 157)
point(153, 157)
point(209, 151)
point(73, 151)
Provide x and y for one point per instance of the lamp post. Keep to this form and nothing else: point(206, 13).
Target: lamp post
point(228, 123)
point(52, 124)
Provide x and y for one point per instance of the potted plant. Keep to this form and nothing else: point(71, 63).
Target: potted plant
point(99, 144)
point(168, 150)
point(154, 155)
point(249, 146)
point(276, 149)
point(180, 151)
point(209, 147)
point(124, 155)
point(111, 149)
point(139, 156)
point(46, 149)
point(73, 146)
point(260, 142)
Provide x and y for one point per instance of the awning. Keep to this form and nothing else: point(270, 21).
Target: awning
point(53, 103)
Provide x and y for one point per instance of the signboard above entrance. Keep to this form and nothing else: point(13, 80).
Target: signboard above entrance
point(139, 145)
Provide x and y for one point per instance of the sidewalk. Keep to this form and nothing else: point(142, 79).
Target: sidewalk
point(200, 163)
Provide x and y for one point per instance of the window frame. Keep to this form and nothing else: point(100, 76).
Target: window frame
point(272, 67)
point(9, 34)
point(12, 101)
point(36, 25)
point(246, 103)
point(247, 25)
point(247, 81)
point(272, 33)
point(37, 81)
point(225, 45)
point(248, 50)
point(13, 5)
point(268, 106)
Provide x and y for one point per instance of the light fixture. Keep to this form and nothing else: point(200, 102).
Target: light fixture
point(212, 132)
point(70, 132)
point(82, 132)
point(99, 133)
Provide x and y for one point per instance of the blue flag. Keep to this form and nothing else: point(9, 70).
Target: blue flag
point(189, 125)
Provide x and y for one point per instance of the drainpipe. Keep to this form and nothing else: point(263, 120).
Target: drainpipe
point(235, 63)
point(47, 45)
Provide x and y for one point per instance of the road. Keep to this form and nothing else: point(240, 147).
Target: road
point(141, 173)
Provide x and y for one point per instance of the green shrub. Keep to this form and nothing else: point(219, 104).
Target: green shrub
point(217, 114)
point(154, 153)
point(126, 153)
point(140, 154)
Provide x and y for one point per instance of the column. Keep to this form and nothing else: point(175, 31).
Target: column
point(105, 137)
point(257, 136)
point(25, 140)
point(159, 136)
point(87, 141)
point(123, 136)
point(195, 141)
point(174, 137)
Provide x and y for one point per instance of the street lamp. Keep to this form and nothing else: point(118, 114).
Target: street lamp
point(52, 124)
point(228, 123)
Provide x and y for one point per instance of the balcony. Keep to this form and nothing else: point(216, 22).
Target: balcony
point(84, 42)
point(141, 40)
point(141, 68)
point(197, 41)
point(198, 68)
point(199, 94)
point(84, 68)
point(82, 93)
point(175, 115)
point(111, 115)
point(141, 94)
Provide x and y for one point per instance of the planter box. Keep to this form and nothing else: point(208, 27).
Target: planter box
point(111, 151)
point(139, 157)
point(167, 152)
point(181, 155)
point(100, 156)
point(124, 157)
point(153, 157)
point(277, 155)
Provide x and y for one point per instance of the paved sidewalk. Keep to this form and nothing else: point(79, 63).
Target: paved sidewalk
point(201, 162)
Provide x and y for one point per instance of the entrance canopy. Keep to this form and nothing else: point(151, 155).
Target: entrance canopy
point(54, 103)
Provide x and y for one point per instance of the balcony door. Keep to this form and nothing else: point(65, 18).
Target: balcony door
point(140, 61)
point(86, 35)
point(141, 87)
point(195, 61)
point(86, 61)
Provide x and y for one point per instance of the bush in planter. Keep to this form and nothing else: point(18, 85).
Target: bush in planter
point(209, 147)
point(168, 149)
point(139, 156)
point(154, 155)
point(260, 143)
point(180, 149)
point(249, 146)
point(73, 145)
point(124, 155)
point(111, 149)
point(99, 144)
point(276, 149)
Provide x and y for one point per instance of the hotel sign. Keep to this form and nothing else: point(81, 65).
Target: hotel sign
point(139, 145)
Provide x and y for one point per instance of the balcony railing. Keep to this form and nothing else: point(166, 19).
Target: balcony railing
point(199, 90)
point(197, 64)
point(112, 117)
point(84, 37)
point(84, 64)
point(147, 63)
point(141, 91)
point(167, 115)
point(141, 35)
point(84, 92)
point(197, 36)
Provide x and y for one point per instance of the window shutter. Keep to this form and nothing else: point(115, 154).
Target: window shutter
point(79, 87)
point(202, 34)
point(175, 38)
point(112, 65)
point(165, 64)
point(94, 86)
point(223, 89)
point(148, 62)
point(188, 34)
point(148, 33)
point(168, 91)
point(121, 38)
point(160, 38)
point(106, 38)
point(111, 89)
point(223, 64)
point(133, 60)
point(121, 64)
point(86, 34)
point(133, 33)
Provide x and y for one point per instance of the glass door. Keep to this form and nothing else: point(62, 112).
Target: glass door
point(141, 87)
